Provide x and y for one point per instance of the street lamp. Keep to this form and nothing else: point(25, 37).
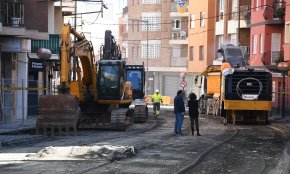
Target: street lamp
point(147, 50)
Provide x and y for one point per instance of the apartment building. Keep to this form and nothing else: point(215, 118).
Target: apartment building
point(286, 44)
point(267, 37)
point(201, 35)
point(163, 27)
point(233, 24)
point(22, 23)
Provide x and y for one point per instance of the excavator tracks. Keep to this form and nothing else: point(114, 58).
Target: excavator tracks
point(140, 113)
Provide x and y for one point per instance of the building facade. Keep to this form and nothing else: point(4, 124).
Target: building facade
point(233, 24)
point(156, 35)
point(23, 22)
point(267, 38)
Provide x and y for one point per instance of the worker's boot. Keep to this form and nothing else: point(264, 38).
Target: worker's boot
point(157, 114)
point(192, 132)
point(198, 132)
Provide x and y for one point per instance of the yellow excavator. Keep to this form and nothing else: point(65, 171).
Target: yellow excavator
point(99, 97)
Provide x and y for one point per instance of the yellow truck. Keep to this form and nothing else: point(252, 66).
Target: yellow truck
point(239, 93)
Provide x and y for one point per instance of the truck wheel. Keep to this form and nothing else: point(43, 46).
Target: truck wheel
point(201, 105)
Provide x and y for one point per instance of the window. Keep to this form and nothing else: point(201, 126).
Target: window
point(154, 49)
point(176, 24)
point(221, 5)
point(133, 52)
point(14, 13)
point(192, 21)
point(137, 52)
point(287, 32)
point(201, 52)
point(154, 21)
point(261, 43)
point(151, 1)
point(191, 54)
point(133, 26)
point(137, 26)
point(257, 5)
point(219, 41)
point(202, 19)
point(254, 44)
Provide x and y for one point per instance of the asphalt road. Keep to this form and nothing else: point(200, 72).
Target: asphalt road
point(220, 149)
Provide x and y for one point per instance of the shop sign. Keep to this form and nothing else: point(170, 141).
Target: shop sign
point(36, 65)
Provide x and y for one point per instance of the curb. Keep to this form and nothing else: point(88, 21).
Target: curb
point(281, 128)
point(13, 131)
point(21, 141)
point(285, 157)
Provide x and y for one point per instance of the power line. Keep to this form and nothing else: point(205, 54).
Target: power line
point(167, 38)
point(266, 5)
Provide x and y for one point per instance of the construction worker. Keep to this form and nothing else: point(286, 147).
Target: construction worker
point(156, 99)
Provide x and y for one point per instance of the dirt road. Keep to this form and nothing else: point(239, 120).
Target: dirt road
point(151, 148)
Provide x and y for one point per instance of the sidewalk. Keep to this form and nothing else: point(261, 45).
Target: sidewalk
point(17, 125)
point(283, 125)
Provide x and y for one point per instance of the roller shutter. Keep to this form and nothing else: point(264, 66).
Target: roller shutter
point(171, 85)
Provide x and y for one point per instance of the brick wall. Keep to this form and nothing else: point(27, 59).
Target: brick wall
point(36, 15)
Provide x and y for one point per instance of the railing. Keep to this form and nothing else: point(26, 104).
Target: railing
point(19, 98)
point(12, 13)
point(174, 7)
point(179, 35)
point(275, 11)
point(178, 61)
point(52, 44)
point(272, 57)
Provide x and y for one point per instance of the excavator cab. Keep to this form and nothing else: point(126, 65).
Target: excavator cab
point(110, 79)
point(136, 75)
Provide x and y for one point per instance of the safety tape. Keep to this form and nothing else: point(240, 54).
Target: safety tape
point(28, 89)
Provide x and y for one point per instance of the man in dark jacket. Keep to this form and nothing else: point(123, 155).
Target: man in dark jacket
point(179, 110)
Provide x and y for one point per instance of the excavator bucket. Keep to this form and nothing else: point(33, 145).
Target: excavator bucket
point(57, 112)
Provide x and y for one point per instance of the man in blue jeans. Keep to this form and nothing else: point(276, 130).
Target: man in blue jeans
point(179, 110)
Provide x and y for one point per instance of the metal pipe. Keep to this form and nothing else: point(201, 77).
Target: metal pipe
point(147, 59)
point(22, 101)
point(75, 38)
point(283, 95)
point(239, 21)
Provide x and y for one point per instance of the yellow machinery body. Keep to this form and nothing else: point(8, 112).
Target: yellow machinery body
point(80, 102)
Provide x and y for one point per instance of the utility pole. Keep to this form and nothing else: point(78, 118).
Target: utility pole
point(147, 59)
point(239, 22)
point(75, 58)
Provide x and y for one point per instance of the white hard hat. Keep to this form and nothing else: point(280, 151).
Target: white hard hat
point(157, 90)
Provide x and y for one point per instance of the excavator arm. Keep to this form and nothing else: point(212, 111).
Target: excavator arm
point(83, 49)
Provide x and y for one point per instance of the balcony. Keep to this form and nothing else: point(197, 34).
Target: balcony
point(67, 6)
point(178, 37)
point(52, 44)
point(271, 57)
point(178, 11)
point(275, 14)
point(12, 14)
point(178, 61)
point(243, 16)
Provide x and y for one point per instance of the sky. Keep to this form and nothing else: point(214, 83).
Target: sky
point(94, 25)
